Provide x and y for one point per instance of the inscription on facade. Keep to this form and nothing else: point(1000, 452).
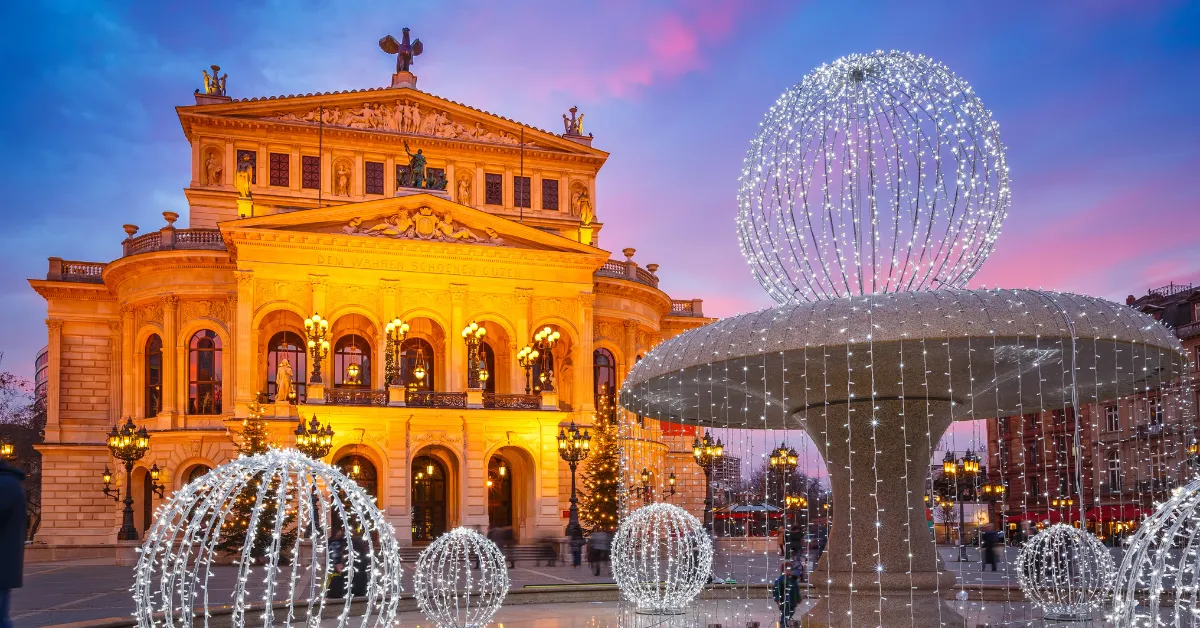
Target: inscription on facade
point(422, 266)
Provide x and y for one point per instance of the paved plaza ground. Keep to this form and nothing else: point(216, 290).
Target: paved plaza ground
point(57, 593)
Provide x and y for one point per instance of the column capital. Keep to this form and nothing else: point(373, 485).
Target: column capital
point(587, 299)
point(55, 325)
point(243, 276)
point(389, 286)
point(630, 325)
point(458, 292)
point(524, 295)
point(114, 327)
point(170, 300)
point(318, 281)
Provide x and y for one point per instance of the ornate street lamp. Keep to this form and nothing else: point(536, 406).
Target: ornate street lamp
point(107, 478)
point(317, 331)
point(959, 483)
point(127, 444)
point(671, 485)
point(155, 475)
point(708, 454)
point(573, 447)
point(7, 450)
point(395, 331)
point(544, 342)
point(473, 335)
point(314, 440)
point(646, 494)
point(527, 357)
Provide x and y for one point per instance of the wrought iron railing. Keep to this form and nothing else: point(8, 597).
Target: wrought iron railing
point(512, 402)
point(431, 399)
point(355, 397)
point(1171, 289)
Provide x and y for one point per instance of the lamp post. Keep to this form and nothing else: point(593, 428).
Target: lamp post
point(544, 342)
point(646, 494)
point(527, 357)
point(127, 444)
point(7, 450)
point(784, 460)
point(573, 447)
point(708, 454)
point(958, 482)
point(396, 331)
point(314, 440)
point(473, 335)
point(317, 330)
point(671, 485)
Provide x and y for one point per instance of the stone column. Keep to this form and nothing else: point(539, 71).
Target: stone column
point(881, 562)
point(116, 381)
point(171, 359)
point(294, 170)
point(54, 328)
point(128, 363)
point(507, 186)
point(523, 313)
point(456, 350)
point(478, 190)
point(584, 398)
point(535, 191)
point(242, 311)
point(389, 176)
point(358, 177)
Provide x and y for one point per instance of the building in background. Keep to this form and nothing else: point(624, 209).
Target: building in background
point(316, 204)
point(41, 370)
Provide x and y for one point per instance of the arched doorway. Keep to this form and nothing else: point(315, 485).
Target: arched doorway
point(429, 498)
point(500, 493)
point(147, 504)
point(360, 469)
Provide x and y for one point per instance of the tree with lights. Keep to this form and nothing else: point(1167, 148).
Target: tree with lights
point(598, 504)
point(254, 439)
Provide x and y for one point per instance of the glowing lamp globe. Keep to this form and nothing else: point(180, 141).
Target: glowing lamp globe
point(450, 591)
point(879, 172)
point(1156, 584)
point(1065, 571)
point(278, 516)
point(661, 558)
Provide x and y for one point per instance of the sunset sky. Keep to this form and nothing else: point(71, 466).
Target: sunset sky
point(1096, 102)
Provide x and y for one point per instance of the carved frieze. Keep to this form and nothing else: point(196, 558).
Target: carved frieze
point(350, 294)
point(215, 310)
point(430, 437)
point(417, 297)
point(403, 117)
point(149, 314)
point(606, 330)
point(486, 302)
point(267, 291)
point(425, 223)
point(554, 306)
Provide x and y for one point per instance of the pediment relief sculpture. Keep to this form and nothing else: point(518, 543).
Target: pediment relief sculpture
point(403, 117)
point(425, 223)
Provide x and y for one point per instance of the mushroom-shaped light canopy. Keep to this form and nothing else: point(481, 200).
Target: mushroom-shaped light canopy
point(981, 353)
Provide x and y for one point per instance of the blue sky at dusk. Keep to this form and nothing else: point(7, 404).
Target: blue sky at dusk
point(1096, 102)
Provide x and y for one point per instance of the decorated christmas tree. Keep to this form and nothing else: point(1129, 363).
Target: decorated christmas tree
point(253, 439)
point(598, 506)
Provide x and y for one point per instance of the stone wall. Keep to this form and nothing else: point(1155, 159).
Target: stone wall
point(85, 383)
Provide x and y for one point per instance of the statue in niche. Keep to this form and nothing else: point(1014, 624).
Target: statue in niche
point(464, 191)
point(283, 381)
point(341, 185)
point(212, 169)
point(581, 205)
point(416, 167)
point(245, 173)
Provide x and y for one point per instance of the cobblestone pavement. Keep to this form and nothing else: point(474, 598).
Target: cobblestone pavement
point(56, 593)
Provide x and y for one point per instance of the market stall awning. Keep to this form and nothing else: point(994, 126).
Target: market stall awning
point(748, 511)
point(1117, 512)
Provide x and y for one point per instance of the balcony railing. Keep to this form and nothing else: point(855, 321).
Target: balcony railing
point(512, 402)
point(686, 307)
point(172, 239)
point(83, 272)
point(431, 399)
point(1187, 331)
point(1170, 289)
point(356, 397)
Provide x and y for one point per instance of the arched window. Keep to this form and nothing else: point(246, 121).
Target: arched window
point(197, 472)
point(352, 362)
point(153, 375)
point(604, 373)
point(287, 345)
point(489, 360)
point(362, 471)
point(204, 373)
point(418, 352)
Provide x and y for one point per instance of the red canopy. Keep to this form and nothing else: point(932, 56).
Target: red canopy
point(1114, 512)
point(1053, 516)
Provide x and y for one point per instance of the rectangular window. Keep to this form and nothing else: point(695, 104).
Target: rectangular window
point(280, 163)
point(1114, 472)
point(253, 163)
point(1002, 426)
point(1032, 420)
point(1155, 407)
point(1060, 443)
point(521, 192)
point(1060, 417)
point(493, 188)
point(550, 194)
point(1112, 418)
point(1033, 455)
point(373, 177)
point(310, 172)
point(1035, 486)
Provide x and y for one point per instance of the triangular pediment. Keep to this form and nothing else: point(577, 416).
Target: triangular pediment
point(415, 218)
point(399, 111)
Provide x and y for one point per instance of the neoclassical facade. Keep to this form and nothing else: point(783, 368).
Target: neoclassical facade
point(303, 205)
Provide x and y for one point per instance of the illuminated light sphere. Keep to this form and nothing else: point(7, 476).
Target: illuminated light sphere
point(1157, 583)
point(879, 172)
point(1065, 571)
point(661, 558)
point(283, 556)
point(460, 580)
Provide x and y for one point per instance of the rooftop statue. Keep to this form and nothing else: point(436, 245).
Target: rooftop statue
point(403, 50)
point(214, 86)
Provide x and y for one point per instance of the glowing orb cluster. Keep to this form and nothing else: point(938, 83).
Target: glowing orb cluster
point(661, 558)
point(1161, 568)
point(1065, 571)
point(461, 580)
point(305, 505)
point(879, 172)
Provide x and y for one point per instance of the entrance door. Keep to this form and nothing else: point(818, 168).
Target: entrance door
point(500, 506)
point(429, 498)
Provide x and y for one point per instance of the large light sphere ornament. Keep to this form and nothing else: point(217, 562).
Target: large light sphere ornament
point(291, 505)
point(879, 172)
point(1158, 583)
point(661, 558)
point(1065, 571)
point(448, 588)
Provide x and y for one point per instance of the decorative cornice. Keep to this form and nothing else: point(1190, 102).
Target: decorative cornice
point(71, 291)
